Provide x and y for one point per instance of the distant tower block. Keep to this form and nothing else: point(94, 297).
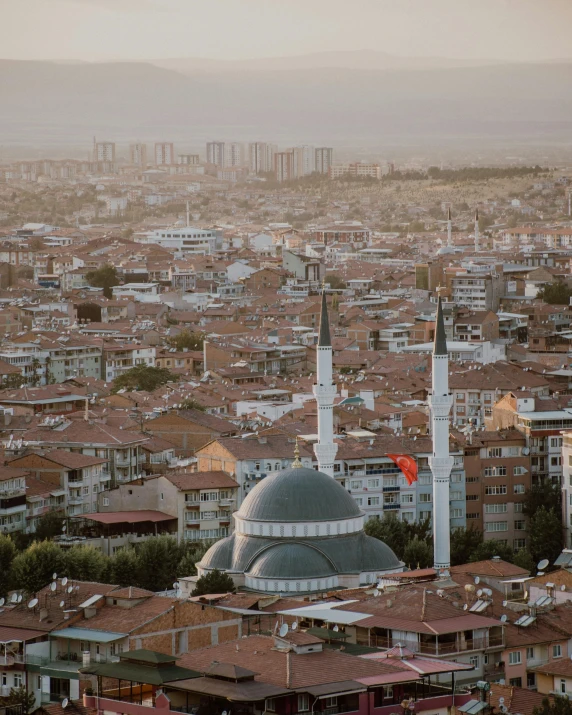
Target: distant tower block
point(477, 236)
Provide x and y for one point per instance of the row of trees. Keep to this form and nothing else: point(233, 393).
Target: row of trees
point(413, 542)
point(154, 564)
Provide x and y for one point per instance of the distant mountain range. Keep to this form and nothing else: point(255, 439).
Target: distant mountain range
point(53, 104)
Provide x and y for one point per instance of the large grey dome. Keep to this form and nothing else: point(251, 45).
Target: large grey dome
point(291, 560)
point(298, 495)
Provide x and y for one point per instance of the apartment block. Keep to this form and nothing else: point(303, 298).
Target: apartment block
point(138, 154)
point(324, 159)
point(164, 153)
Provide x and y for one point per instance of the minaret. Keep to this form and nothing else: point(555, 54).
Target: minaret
point(440, 462)
point(477, 246)
point(449, 229)
point(325, 391)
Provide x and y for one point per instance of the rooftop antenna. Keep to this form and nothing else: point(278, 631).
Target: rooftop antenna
point(542, 564)
point(283, 630)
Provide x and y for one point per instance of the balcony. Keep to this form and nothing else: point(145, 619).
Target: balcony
point(432, 648)
point(391, 505)
point(391, 489)
point(105, 477)
point(226, 502)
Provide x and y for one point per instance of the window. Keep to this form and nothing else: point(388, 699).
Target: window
point(496, 526)
point(519, 544)
point(408, 516)
point(355, 484)
point(473, 515)
point(530, 653)
point(372, 483)
point(455, 496)
point(555, 461)
point(303, 702)
point(456, 513)
point(519, 525)
point(518, 471)
point(495, 471)
point(495, 452)
point(425, 498)
point(271, 705)
point(516, 682)
point(387, 691)
point(209, 496)
point(514, 658)
point(495, 508)
point(407, 498)
point(331, 702)
point(474, 661)
point(472, 497)
point(105, 501)
point(358, 501)
point(17, 680)
point(563, 685)
point(456, 478)
point(4, 679)
point(424, 515)
point(531, 680)
point(373, 501)
point(518, 507)
point(497, 490)
point(557, 651)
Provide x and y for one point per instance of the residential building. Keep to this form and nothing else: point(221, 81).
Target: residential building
point(284, 165)
point(303, 161)
point(187, 240)
point(164, 153)
point(138, 154)
point(260, 157)
point(216, 153)
point(189, 430)
point(104, 151)
point(356, 169)
point(324, 159)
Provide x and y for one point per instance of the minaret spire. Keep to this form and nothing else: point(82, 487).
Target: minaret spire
point(477, 237)
point(325, 392)
point(441, 462)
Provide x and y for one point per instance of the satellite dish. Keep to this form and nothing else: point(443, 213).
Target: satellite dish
point(62, 604)
point(376, 592)
point(64, 528)
point(54, 576)
point(176, 585)
point(503, 709)
point(335, 628)
point(65, 703)
point(295, 626)
point(563, 587)
point(477, 580)
point(501, 701)
point(65, 581)
point(20, 598)
point(53, 586)
point(33, 603)
point(543, 564)
point(14, 598)
point(465, 607)
point(283, 630)
point(70, 589)
point(504, 619)
point(2, 602)
point(480, 592)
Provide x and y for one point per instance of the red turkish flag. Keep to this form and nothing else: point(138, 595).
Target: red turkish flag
point(407, 465)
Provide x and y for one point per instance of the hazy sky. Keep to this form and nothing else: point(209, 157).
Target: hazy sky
point(230, 29)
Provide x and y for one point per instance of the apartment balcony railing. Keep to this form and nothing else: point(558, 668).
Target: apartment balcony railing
point(391, 505)
point(428, 648)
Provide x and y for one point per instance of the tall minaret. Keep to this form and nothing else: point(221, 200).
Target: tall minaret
point(441, 462)
point(477, 246)
point(449, 229)
point(325, 391)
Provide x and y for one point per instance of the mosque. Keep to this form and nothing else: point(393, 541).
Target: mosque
point(299, 531)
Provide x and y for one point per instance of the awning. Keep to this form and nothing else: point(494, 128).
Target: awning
point(332, 690)
point(19, 635)
point(128, 517)
point(138, 673)
point(88, 635)
point(247, 691)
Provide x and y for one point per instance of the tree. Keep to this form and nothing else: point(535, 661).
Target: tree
point(7, 555)
point(35, 378)
point(85, 563)
point(545, 495)
point(187, 340)
point(33, 568)
point(559, 705)
point(143, 377)
point(49, 525)
point(20, 696)
point(390, 530)
point(336, 282)
point(557, 293)
point(159, 559)
point(523, 559)
point(189, 403)
point(463, 543)
point(545, 535)
point(214, 582)
point(105, 277)
point(418, 553)
point(13, 381)
point(488, 549)
point(124, 567)
point(192, 556)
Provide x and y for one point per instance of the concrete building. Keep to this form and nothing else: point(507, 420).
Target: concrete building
point(188, 159)
point(216, 153)
point(261, 157)
point(324, 159)
point(186, 240)
point(138, 154)
point(104, 151)
point(356, 169)
point(304, 160)
point(284, 165)
point(164, 153)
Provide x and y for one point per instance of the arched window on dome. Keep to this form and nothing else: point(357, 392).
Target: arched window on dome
point(305, 529)
point(328, 529)
point(317, 530)
point(276, 585)
point(293, 530)
point(297, 585)
point(281, 529)
point(271, 529)
point(277, 466)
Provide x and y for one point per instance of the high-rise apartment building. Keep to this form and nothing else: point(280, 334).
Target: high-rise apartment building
point(188, 159)
point(260, 157)
point(104, 151)
point(138, 154)
point(216, 153)
point(324, 159)
point(355, 169)
point(304, 159)
point(164, 153)
point(284, 165)
point(234, 154)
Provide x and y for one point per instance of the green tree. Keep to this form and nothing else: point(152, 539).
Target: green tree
point(390, 530)
point(84, 563)
point(214, 582)
point(488, 549)
point(143, 377)
point(545, 535)
point(21, 697)
point(49, 525)
point(189, 403)
point(523, 559)
point(14, 381)
point(105, 277)
point(159, 560)
point(557, 293)
point(418, 553)
point(544, 495)
point(35, 378)
point(336, 282)
point(463, 543)
point(7, 555)
point(559, 705)
point(124, 567)
point(187, 340)
point(33, 568)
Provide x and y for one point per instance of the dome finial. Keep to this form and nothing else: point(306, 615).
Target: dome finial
point(297, 464)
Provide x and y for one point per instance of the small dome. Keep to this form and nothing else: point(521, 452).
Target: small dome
point(290, 561)
point(298, 495)
point(219, 556)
